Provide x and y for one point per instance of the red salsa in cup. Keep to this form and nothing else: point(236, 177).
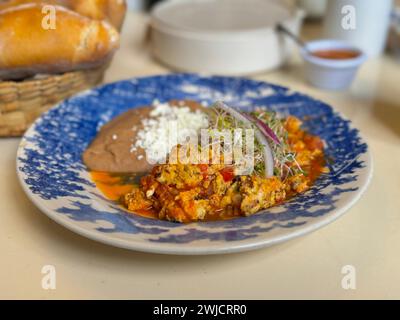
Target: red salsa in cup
point(336, 54)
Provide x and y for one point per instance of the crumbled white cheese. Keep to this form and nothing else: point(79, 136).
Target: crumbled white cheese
point(114, 137)
point(166, 127)
point(133, 149)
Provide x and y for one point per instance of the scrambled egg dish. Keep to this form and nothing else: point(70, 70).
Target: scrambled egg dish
point(192, 192)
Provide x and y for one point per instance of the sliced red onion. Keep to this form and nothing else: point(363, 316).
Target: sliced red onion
point(265, 129)
point(260, 136)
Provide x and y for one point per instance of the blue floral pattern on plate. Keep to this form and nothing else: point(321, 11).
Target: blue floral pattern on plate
point(54, 177)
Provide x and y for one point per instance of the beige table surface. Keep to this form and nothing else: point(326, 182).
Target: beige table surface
point(367, 236)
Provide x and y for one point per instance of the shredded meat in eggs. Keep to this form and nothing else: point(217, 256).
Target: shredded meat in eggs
point(193, 192)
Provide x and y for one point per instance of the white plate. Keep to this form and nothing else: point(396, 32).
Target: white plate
point(53, 176)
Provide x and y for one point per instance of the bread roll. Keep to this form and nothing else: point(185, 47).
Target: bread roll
point(28, 48)
point(110, 10)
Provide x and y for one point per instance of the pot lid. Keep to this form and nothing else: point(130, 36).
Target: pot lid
point(220, 15)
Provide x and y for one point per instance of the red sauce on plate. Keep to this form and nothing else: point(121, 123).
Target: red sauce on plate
point(336, 54)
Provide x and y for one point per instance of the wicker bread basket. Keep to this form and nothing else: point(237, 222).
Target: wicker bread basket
point(21, 102)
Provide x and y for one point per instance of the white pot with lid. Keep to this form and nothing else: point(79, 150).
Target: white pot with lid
point(231, 37)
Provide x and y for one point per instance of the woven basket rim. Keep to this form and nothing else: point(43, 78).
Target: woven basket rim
point(21, 102)
point(47, 77)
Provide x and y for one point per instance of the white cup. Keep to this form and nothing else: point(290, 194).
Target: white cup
point(362, 23)
point(330, 74)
